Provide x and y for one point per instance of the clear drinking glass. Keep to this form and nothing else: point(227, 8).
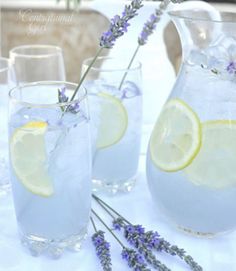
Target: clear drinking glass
point(192, 151)
point(50, 166)
point(35, 63)
point(7, 81)
point(115, 101)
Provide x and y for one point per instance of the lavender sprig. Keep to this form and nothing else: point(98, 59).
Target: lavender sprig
point(176, 251)
point(103, 250)
point(134, 259)
point(151, 240)
point(147, 30)
point(150, 25)
point(118, 27)
point(119, 24)
point(147, 241)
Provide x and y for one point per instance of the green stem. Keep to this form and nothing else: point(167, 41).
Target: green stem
point(105, 225)
point(103, 204)
point(93, 223)
point(130, 63)
point(86, 72)
point(106, 209)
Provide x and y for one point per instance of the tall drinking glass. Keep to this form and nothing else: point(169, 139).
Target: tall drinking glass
point(7, 81)
point(50, 166)
point(35, 63)
point(115, 100)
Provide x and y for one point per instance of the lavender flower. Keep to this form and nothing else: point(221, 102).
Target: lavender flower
point(134, 259)
point(62, 95)
point(102, 249)
point(176, 251)
point(149, 27)
point(74, 108)
point(147, 30)
point(145, 242)
point(135, 235)
point(231, 68)
point(119, 24)
point(63, 98)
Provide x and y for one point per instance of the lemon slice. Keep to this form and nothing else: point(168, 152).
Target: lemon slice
point(113, 121)
point(28, 156)
point(176, 137)
point(214, 166)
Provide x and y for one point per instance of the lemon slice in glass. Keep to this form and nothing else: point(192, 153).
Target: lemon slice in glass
point(214, 166)
point(176, 137)
point(113, 121)
point(28, 156)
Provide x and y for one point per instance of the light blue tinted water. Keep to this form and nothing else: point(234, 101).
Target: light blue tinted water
point(119, 162)
point(66, 212)
point(198, 207)
point(194, 207)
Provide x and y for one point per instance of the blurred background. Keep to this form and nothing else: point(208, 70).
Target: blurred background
point(76, 26)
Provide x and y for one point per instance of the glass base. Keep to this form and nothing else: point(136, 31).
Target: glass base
point(203, 234)
point(51, 247)
point(114, 187)
point(197, 233)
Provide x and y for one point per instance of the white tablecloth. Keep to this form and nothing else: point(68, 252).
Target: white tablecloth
point(217, 254)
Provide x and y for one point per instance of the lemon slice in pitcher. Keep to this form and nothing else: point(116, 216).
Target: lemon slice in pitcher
point(113, 121)
point(28, 156)
point(176, 137)
point(214, 166)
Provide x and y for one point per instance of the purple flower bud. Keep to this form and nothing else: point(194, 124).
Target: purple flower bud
point(74, 108)
point(130, 229)
point(62, 98)
point(134, 259)
point(139, 258)
point(140, 229)
point(102, 250)
point(125, 255)
point(231, 68)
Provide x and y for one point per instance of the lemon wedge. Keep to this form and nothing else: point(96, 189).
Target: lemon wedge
point(28, 156)
point(176, 138)
point(214, 166)
point(113, 121)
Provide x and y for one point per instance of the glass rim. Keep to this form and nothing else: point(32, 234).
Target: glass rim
point(180, 15)
point(48, 105)
point(7, 60)
point(90, 59)
point(14, 51)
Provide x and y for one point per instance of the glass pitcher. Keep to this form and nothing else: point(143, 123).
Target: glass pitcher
point(191, 160)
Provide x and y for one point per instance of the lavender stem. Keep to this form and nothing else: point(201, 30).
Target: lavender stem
point(108, 228)
point(130, 63)
point(86, 72)
point(103, 203)
point(93, 223)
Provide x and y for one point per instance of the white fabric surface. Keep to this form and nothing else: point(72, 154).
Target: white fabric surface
point(217, 254)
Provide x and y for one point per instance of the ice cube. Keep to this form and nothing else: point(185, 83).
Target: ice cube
point(227, 42)
point(130, 90)
point(197, 57)
point(217, 57)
